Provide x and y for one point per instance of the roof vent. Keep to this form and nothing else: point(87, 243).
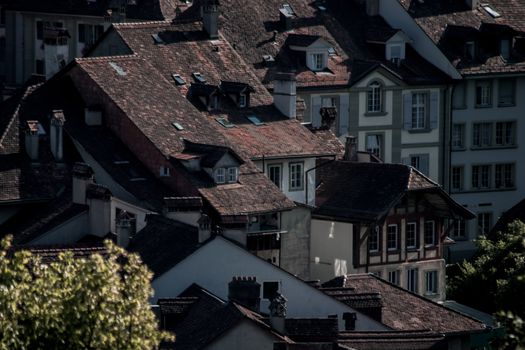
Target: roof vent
point(158, 40)
point(178, 79)
point(199, 77)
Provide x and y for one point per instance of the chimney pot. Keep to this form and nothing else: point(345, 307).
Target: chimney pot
point(245, 291)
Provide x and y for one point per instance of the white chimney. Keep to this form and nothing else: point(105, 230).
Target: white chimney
point(82, 177)
point(123, 228)
point(98, 199)
point(210, 18)
point(56, 134)
point(32, 139)
point(285, 94)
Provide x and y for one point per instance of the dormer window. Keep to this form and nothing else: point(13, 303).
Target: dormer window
point(226, 175)
point(220, 175)
point(233, 175)
point(395, 54)
point(504, 48)
point(318, 61)
point(470, 50)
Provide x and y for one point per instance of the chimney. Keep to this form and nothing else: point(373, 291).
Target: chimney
point(349, 318)
point(284, 94)
point(278, 313)
point(56, 134)
point(204, 228)
point(372, 7)
point(210, 18)
point(32, 139)
point(350, 148)
point(82, 177)
point(98, 198)
point(123, 228)
point(245, 291)
point(472, 4)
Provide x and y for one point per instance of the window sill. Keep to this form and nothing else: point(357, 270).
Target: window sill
point(419, 131)
point(505, 105)
point(459, 108)
point(478, 190)
point(412, 250)
point(375, 114)
point(295, 189)
point(393, 251)
point(483, 148)
point(459, 149)
point(482, 106)
point(431, 294)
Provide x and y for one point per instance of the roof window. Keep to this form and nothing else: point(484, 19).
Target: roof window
point(158, 40)
point(199, 77)
point(288, 10)
point(178, 79)
point(491, 11)
point(225, 122)
point(255, 120)
point(118, 69)
point(177, 126)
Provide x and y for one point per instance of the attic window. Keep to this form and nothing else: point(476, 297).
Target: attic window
point(198, 77)
point(491, 11)
point(178, 79)
point(157, 39)
point(177, 126)
point(288, 10)
point(225, 122)
point(255, 120)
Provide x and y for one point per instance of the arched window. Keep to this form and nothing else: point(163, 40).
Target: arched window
point(374, 97)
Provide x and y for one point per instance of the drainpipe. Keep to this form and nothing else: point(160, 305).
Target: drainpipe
point(306, 176)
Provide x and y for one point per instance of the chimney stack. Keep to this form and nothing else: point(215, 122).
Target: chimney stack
point(123, 228)
point(245, 291)
point(56, 134)
point(278, 313)
point(98, 198)
point(210, 18)
point(32, 139)
point(472, 4)
point(350, 148)
point(204, 228)
point(285, 94)
point(82, 177)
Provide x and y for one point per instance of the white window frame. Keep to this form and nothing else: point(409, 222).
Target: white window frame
point(459, 229)
point(414, 225)
point(483, 94)
point(374, 97)
point(431, 282)
point(484, 221)
point(164, 171)
point(388, 240)
point(433, 242)
point(419, 110)
point(393, 277)
point(296, 174)
point(412, 279)
point(242, 100)
point(318, 61)
point(374, 147)
point(373, 245)
point(220, 175)
point(232, 174)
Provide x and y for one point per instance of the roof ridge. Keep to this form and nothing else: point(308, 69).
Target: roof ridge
point(106, 58)
point(126, 25)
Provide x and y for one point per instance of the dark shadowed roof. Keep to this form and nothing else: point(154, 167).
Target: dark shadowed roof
point(312, 329)
point(163, 243)
point(517, 212)
point(356, 191)
point(406, 311)
point(394, 340)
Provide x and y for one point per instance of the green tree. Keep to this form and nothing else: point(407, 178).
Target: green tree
point(98, 302)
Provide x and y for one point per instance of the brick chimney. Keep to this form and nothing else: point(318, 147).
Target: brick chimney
point(56, 134)
point(245, 291)
point(82, 177)
point(285, 94)
point(32, 139)
point(210, 18)
point(350, 149)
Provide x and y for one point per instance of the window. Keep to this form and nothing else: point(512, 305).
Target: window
point(484, 223)
point(506, 92)
point(482, 134)
point(419, 110)
point(458, 229)
point(258, 242)
point(373, 144)
point(499, 134)
point(233, 174)
point(457, 178)
point(459, 96)
point(412, 280)
point(296, 176)
point(393, 277)
point(430, 232)
point(373, 95)
point(220, 175)
point(270, 289)
point(395, 53)
point(504, 176)
point(411, 235)
point(39, 67)
point(483, 94)
point(431, 282)
point(318, 61)
point(373, 240)
point(505, 133)
point(164, 171)
point(504, 48)
point(470, 50)
point(275, 174)
point(391, 237)
point(458, 136)
point(242, 100)
point(481, 176)
point(89, 33)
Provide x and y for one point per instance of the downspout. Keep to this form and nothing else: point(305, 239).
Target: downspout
point(306, 175)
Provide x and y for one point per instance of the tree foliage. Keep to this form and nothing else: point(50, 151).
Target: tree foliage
point(76, 303)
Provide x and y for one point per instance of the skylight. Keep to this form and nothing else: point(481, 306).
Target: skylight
point(178, 79)
point(157, 39)
point(225, 122)
point(117, 68)
point(177, 126)
point(198, 77)
point(255, 120)
point(491, 11)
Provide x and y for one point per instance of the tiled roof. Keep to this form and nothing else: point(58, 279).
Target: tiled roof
point(143, 10)
point(357, 191)
point(438, 17)
point(355, 300)
point(393, 340)
point(164, 242)
point(406, 311)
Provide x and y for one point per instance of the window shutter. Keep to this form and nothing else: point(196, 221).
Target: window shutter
point(423, 163)
point(434, 97)
point(316, 115)
point(407, 111)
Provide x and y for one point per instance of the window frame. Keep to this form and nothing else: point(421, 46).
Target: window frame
point(380, 140)
point(280, 167)
point(505, 173)
point(463, 87)
point(395, 274)
point(414, 224)
point(315, 56)
point(412, 279)
point(300, 179)
point(461, 180)
point(486, 222)
point(164, 171)
point(219, 175)
point(229, 178)
point(389, 240)
point(431, 282)
point(489, 96)
point(512, 82)
point(374, 98)
point(425, 234)
point(458, 137)
point(374, 232)
point(419, 110)
point(242, 100)
point(478, 173)
point(461, 226)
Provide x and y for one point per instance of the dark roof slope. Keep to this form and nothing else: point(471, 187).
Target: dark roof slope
point(406, 311)
point(163, 243)
point(517, 212)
